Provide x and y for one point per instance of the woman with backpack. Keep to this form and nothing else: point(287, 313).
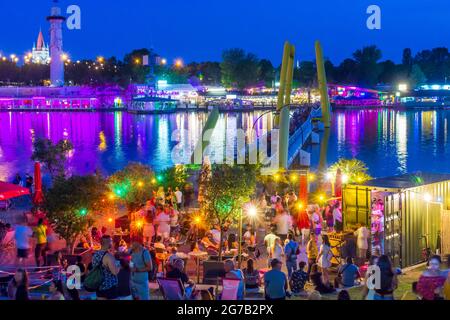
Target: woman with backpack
point(103, 277)
point(388, 277)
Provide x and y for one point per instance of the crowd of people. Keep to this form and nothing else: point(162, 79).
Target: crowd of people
point(291, 256)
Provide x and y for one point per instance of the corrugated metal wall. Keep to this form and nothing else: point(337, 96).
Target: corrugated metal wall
point(408, 218)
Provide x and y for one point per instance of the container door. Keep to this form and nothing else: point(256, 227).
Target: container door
point(392, 228)
point(445, 233)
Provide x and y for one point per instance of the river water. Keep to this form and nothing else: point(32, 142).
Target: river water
point(389, 141)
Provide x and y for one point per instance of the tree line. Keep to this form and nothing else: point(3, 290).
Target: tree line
point(240, 69)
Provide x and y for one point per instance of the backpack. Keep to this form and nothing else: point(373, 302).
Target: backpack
point(94, 278)
point(292, 255)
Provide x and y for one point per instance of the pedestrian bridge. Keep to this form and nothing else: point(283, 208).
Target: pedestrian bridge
point(302, 135)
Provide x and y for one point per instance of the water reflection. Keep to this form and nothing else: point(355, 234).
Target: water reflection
point(389, 141)
point(392, 141)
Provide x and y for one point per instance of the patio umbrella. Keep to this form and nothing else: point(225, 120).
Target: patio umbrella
point(38, 197)
point(9, 191)
point(338, 184)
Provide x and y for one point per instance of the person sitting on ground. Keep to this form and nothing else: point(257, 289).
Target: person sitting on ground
point(343, 296)
point(56, 290)
point(18, 286)
point(317, 280)
point(275, 282)
point(432, 280)
point(252, 278)
point(298, 280)
point(347, 274)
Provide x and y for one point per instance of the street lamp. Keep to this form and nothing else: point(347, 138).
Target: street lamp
point(252, 212)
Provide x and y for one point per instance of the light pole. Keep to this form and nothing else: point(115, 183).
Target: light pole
point(252, 212)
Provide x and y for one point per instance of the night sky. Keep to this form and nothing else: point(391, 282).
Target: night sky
point(200, 29)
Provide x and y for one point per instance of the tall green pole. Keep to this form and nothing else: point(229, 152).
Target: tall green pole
point(322, 78)
point(283, 74)
point(284, 116)
point(202, 144)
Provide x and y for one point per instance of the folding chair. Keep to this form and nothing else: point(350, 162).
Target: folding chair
point(171, 289)
point(230, 289)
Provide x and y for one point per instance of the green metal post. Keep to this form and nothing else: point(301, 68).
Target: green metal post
point(202, 144)
point(322, 79)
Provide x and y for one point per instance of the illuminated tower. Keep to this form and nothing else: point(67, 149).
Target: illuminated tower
point(56, 46)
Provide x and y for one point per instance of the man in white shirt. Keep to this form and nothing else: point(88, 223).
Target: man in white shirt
point(284, 224)
point(362, 235)
point(179, 196)
point(269, 242)
point(23, 233)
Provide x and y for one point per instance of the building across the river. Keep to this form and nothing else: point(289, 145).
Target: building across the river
point(40, 53)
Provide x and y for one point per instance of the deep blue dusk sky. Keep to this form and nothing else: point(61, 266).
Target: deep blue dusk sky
point(200, 29)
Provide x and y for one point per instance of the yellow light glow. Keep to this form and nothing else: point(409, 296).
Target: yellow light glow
point(403, 87)
point(100, 59)
point(252, 211)
point(300, 206)
point(427, 197)
point(154, 181)
point(277, 177)
point(294, 177)
point(311, 177)
point(163, 61)
point(139, 224)
point(140, 184)
point(110, 220)
point(178, 63)
point(64, 57)
point(345, 178)
point(111, 196)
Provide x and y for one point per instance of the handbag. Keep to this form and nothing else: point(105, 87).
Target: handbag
point(94, 279)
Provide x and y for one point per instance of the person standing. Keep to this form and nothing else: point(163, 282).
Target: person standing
point(284, 223)
point(29, 182)
point(275, 282)
point(179, 197)
point(18, 180)
point(163, 222)
point(388, 279)
point(269, 242)
point(324, 258)
point(108, 289)
point(140, 267)
point(40, 233)
point(22, 235)
point(124, 280)
point(291, 250)
point(311, 251)
point(362, 243)
point(337, 218)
